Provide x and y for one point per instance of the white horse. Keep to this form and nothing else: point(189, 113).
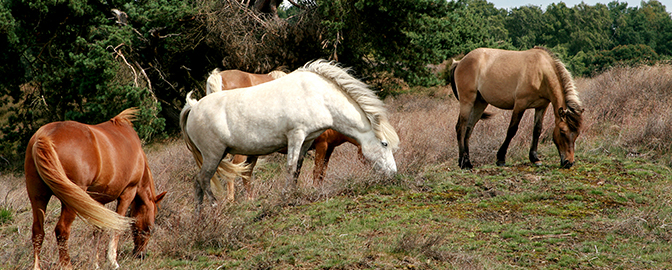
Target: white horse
point(287, 112)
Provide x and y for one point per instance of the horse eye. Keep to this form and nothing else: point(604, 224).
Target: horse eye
point(384, 144)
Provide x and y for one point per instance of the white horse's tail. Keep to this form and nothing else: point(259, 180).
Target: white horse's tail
point(214, 83)
point(226, 169)
point(373, 107)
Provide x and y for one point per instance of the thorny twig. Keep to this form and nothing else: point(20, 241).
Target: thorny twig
point(135, 73)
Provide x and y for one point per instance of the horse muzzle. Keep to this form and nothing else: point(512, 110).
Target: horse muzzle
point(389, 170)
point(566, 164)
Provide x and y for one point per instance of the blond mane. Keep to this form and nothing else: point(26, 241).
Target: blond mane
point(572, 101)
point(276, 74)
point(372, 106)
point(125, 117)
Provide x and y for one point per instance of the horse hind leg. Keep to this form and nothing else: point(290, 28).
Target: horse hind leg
point(39, 195)
point(465, 124)
point(202, 180)
point(63, 234)
point(39, 207)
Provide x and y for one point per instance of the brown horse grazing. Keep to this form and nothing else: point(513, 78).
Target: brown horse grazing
point(231, 79)
point(324, 144)
point(516, 80)
point(85, 167)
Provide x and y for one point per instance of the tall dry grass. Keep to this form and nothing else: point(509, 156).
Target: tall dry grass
point(626, 108)
point(630, 109)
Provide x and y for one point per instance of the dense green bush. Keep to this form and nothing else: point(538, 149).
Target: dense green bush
point(77, 60)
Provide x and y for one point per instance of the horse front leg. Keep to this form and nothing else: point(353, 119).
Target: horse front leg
point(63, 234)
point(536, 133)
point(510, 133)
point(123, 202)
point(321, 160)
point(296, 149)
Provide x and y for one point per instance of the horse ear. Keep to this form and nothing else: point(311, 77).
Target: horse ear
point(562, 112)
point(160, 197)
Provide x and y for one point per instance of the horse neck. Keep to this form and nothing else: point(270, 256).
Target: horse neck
point(558, 101)
point(557, 96)
point(366, 139)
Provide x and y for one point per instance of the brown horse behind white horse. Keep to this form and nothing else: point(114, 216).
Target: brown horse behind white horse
point(324, 144)
point(231, 79)
point(516, 80)
point(85, 167)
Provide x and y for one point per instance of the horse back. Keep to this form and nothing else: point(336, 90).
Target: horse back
point(232, 79)
point(106, 158)
point(501, 77)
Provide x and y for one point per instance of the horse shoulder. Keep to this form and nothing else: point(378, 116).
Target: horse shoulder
point(119, 147)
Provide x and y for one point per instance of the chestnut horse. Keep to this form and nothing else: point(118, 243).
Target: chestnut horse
point(516, 80)
point(324, 144)
point(289, 112)
point(87, 166)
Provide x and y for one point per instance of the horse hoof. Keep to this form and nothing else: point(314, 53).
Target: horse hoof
point(466, 166)
point(538, 163)
point(501, 163)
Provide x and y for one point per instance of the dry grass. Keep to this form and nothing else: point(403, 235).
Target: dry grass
point(631, 108)
point(627, 108)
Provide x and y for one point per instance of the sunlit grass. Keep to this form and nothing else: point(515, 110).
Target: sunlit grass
point(612, 210)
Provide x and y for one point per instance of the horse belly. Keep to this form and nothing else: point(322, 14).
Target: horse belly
point(266, 137)
point(502, 98)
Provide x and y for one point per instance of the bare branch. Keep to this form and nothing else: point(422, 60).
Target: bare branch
point(297, 5)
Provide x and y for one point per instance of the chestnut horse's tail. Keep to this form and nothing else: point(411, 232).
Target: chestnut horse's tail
point(214, 83)
point(52, 173)
point(226, 169)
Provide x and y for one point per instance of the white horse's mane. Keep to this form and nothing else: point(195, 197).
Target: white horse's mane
point(372, 106)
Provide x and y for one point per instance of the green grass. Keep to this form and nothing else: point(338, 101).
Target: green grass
point(604, 213)
point(5, 215)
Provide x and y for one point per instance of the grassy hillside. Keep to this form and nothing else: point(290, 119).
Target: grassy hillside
point(612, 210)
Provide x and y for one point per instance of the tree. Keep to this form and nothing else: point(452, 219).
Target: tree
point(525, 26)
point(395, 36)
point(64, 60)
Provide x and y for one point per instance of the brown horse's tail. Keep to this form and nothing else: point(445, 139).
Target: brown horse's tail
point(450, 76)
point(225, 169)
point(52, 173)
point(214, 83)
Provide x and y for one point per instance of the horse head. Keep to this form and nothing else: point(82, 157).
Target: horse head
point(567, 129)
point(381, 154)
point(144, 214)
